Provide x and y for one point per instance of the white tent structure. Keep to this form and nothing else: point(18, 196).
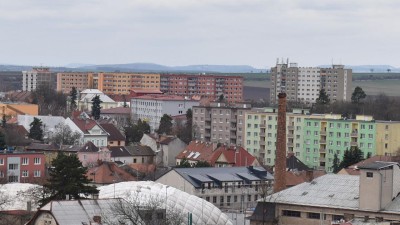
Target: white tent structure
point(203, 212)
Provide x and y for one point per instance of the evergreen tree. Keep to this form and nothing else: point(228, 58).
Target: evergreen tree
point(36, 131)
point(185, 133)
point(125, 104)
point(336, 162)
point(67, 178)
point(2, 140)
point(202, 164)
point(4, 121)
point(165, 125)
point(96, 108)
point(184, 164)
point(358, 95)
point(221, 98)
point(323, 98)
point(134, 132)
point(73, 96)
point(351, 157)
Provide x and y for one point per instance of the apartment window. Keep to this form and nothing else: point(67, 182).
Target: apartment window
point(13, 166)
point(25, 161)
point(369, 145)
point(330, 134)
point(362, 126)
point(36, 161)
point(346, 126)
point(370, 174)
point(25, 173)
point(314, 216)
point(337, 217)
point(214, 199)
point(12, 178)
point(248, 134)
point(315, 124)
point(36, 173)
point(371, 127)
point(315, 133)
point(1, 173)
point(370, 136)
point(315, 142)
point(1, 161)
point(235, 198)
point(308, 124)
point(207, 198)
point(291, 213)
point(330, 125)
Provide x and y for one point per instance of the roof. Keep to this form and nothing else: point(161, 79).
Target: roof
point(196, 176)
point(140, 150)
point(89, 94)
point(108, 173)
point(119, 151)
point(293, 163)
point(164, 98)
point(331, 190)
point(49, 121)
point(89, 147)
point(294, 178)
point(377, 165)
point(16, 195)
point(204, 150)
point(162, 139)
point(34, 146)
point(113, 133)
point(203, 212)
point(77, 212)
point(117, 110)
point(146, 91)
point(84, 124)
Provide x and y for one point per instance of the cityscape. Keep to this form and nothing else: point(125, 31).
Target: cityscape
point(148, 113)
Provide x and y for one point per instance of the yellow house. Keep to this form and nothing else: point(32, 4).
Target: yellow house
point(13, 109)
point(387, 137)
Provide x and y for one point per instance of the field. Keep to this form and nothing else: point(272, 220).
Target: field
point(371, 87)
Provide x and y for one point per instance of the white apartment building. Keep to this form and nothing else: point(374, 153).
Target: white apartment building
point(151, 108)
point(37, 76)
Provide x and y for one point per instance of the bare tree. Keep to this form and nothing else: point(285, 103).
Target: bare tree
point(135, 209)
point(63, 135)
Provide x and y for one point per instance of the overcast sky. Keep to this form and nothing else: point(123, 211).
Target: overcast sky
point(187, 32)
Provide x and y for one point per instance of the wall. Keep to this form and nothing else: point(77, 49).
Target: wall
point(387, 137)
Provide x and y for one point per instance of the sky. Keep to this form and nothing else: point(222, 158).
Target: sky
point(191, 32)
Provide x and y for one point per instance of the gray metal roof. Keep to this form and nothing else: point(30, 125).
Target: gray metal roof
point(331, 190)
point(196, 176)
point(377, 165)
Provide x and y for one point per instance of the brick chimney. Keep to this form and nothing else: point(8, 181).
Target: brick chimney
point(280, 159)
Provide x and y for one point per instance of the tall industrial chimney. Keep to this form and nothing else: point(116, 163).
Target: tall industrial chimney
point(280, 158)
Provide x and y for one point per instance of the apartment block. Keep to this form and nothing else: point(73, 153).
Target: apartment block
point(302, 84)
point(22, 167)
point(80, 80)
point(203, 85)
point(151, 108)
point(38, 76)
point(387, 137)
point(108, 83)
point(261, 132)
point(220, 122)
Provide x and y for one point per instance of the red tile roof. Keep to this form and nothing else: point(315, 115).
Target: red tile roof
point(84, 124)
point(108, 173)
point(235, 156)
point(89, 147)
point(116, 110)
point(294, 178)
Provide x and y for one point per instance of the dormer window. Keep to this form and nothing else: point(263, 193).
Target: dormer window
point(370, 174)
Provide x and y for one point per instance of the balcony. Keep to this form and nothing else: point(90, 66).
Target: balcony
point(354, 134)
point(323, 132)
point(322, 141)
point(233, 128)
point(207, 135)
point(207, 119)
point(262, 142)
point(353, 143)
point(262, 134)
point(262, 125)
point(290, 127)
point(322, 150)
point(290, 144)
point(290, 135)
point(321, 167)
point(322, 159)
point(207, 126)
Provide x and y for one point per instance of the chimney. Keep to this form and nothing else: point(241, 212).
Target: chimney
point(280, 160)
point(97, 219)
point(309, 175)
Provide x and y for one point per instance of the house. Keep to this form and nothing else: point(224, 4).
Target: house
point(354, 169)
point(108, 173)
point(332, 198)
point(115, 137)
point(235, 188)
point(141, 154)
point(89, 129)
point(166, 147)
point(222, 156)
point(22, 167)
point(90, 154)
point(83, 211)
point(120, 115)
point(86, 96)
point(120, 153)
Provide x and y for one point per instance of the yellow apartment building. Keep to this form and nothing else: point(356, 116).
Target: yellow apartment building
point(387, 137)
point(13, 109)
point(81, 81)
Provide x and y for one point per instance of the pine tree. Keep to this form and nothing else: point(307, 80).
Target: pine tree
point(335, 166)
point(36, 131)
point(323, 98)
point(351, 157)
point(165, 125)
point(134, 132)
point(185, 132)
point(358, 95)
point(74, 96)
point(96, 108)
point(67, 179)
point(184, 164)
point(4, 121)
point(125, 104)
point(2, 140)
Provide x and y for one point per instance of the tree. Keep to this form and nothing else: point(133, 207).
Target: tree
point(351, 157)
point(185, 133)
point(96, 108)
point(358, 95)
point(323, 98)
point(49, 100)
point(36, 131)
point(202, 164)
point(4, 121)
point(336, 163)
point(221, 98)
point(125, 104)
point(2, 140)
point(134, 132)
point(184, 163)
point(165, 125)
point(63, 135)
point(73, 96)
point(67, 179)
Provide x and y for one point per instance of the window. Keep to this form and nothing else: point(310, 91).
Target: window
point(25, 173)
point(36, 173)
point(25, 161)
point(346, 126)
point(337, 217)
point(214, 199)
point(370, 136)
point(314, 215)
point(36, 161)
point(371, 127)
point(369, 145)
point(1, 173)
point(13, 166)
point(235, 198)
point(1, 161)
point(291, 213)
point(370, 174)
point(12, 178)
